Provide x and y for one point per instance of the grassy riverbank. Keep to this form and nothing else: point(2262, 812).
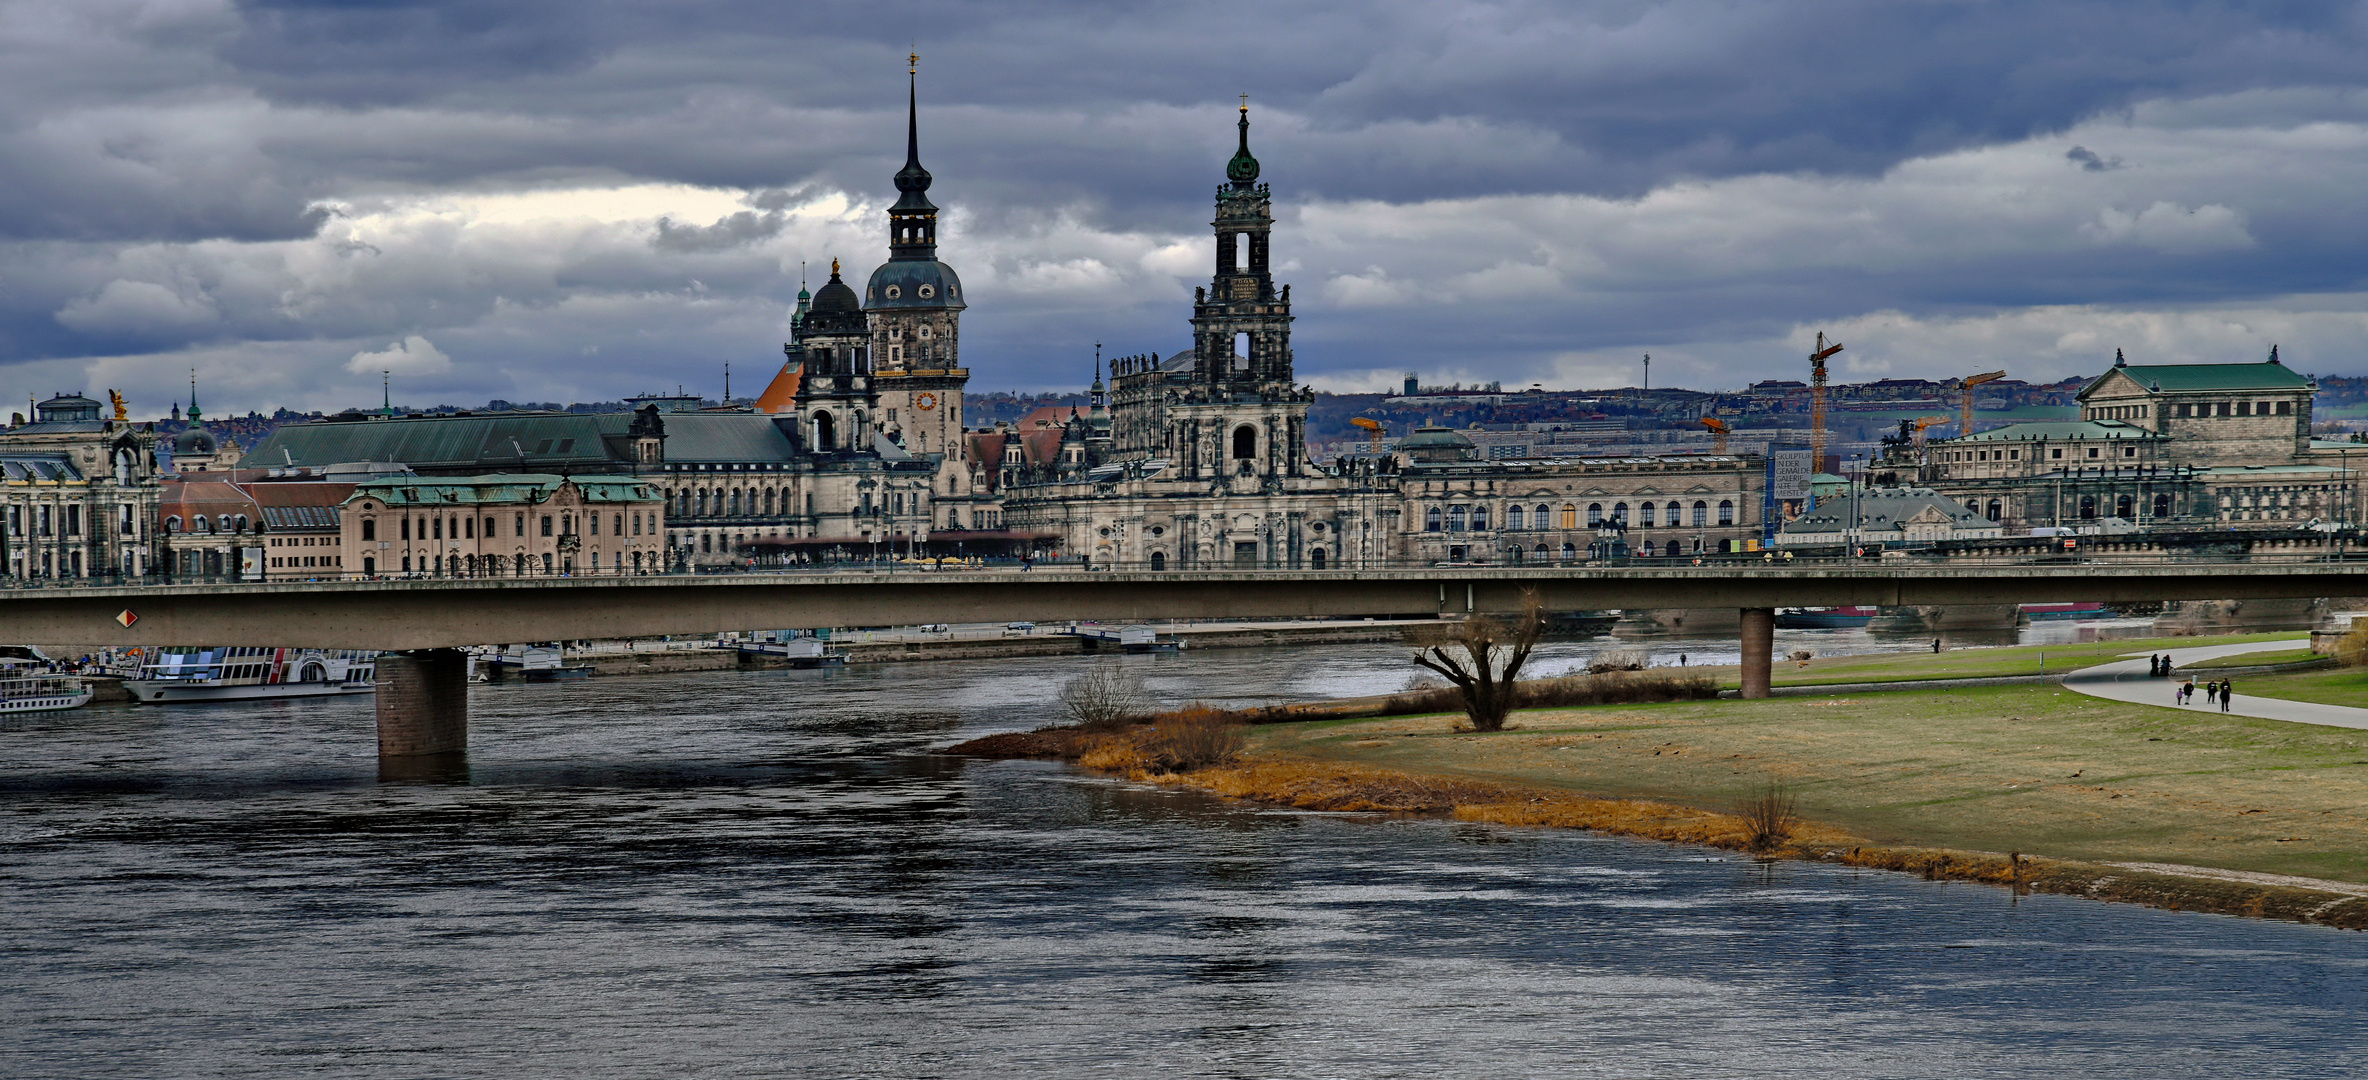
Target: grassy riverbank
point(1988, 662)
point(1914, 780)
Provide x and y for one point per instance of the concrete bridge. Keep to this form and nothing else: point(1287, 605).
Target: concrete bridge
point(422, 697)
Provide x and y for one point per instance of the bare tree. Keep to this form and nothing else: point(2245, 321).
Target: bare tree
point(1105, 697)
point(1482, 657)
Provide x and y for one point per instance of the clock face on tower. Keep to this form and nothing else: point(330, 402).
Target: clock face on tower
point(925, 401)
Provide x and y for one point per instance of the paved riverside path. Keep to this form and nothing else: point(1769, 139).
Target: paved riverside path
point(2127, 680)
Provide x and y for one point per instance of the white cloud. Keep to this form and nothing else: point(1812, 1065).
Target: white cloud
point(414, 355)
point(139, 307)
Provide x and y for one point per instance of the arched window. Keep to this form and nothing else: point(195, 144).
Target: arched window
point(1647, 550)
point(1544, 517)
point(1315, 559)
point(546, 562)
point(1594, 514)
point(1570, 515)
point(172, 524)
point(1514, 553)
point(369, 528)
point(1430, 519)
point(1543, 552)
point(1159, 559)
point(1570, 551)
point(1245, 442)
point(1726, 511)
point(2088, 506)
point(1676, 515)
point(1620, 513)
point(241, 524)
point(825, 432)
point(1513, 517)
point(2124, 507)
point(2162, 506)
point(1480, 518)
point(1645, 515)
point(1701, 513)
point(1997, 511)
point(1455, 518)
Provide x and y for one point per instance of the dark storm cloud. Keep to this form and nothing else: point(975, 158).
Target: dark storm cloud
point(154, 152)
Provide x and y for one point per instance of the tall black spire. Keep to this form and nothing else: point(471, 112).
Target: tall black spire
point(1243, 169)
point(912, 222)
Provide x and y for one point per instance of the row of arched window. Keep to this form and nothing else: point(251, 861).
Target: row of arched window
point(220, 523)
point(1647, 515)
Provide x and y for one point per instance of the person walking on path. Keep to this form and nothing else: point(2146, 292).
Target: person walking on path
point(2187, 691)
point(2211, 692)
point(2227, 693)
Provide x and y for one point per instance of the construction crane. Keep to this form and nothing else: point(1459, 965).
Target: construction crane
point(1372, 428)
point(1817, 400)
point(1718, 430)
point(1923, 422)
point(1965, 398)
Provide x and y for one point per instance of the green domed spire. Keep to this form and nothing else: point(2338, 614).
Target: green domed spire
point(1243, 169)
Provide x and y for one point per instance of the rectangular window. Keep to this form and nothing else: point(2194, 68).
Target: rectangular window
point(637, 524)
point(2222, 410)
point(2244, 408)
point(521, 524)
point(45, 523)
point(437, 526)
point(369, 529)
point(469, 527)
point(592, 523)
point(2056, 454)
point(16, 521)
point(2285, 408)
point(406, 531)
point(73, 521)
point(546, 524)
point(617, 525)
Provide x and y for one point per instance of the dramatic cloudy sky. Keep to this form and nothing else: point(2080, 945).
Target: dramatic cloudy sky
point(581, 199)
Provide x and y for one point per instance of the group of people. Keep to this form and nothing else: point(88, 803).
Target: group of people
point(2221, 691)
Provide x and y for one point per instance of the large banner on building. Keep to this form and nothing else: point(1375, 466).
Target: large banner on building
point(1789, 469)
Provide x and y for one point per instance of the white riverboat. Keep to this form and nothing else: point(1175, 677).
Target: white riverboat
point(243, 673)
point(27, 691)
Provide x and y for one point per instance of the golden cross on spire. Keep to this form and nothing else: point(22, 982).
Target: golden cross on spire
point(912, 63)
point(1245, 103)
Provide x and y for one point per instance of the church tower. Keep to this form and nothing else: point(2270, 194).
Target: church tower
point(1241, 327)
point(915, 304)
point(837, 401)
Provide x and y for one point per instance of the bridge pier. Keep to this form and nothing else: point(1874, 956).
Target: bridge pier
point(1759, 649)
point(423, 714)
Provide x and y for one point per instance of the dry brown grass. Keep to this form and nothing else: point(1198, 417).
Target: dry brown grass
point(1618, 688)
point(1196, 736)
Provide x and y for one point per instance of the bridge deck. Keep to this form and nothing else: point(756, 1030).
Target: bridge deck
point(445, 612)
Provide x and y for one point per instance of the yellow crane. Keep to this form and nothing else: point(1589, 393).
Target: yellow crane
point(1718, 431)
point(1923, 422)
point(1965, 398)
point(1372, 428)
point(1817, 400)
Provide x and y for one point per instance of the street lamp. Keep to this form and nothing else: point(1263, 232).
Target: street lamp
point(1855, 519)
point(871, 510)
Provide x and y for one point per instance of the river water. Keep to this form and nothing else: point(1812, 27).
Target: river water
point(770, 874)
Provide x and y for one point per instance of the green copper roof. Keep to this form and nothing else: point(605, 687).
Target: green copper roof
point(2190, 378)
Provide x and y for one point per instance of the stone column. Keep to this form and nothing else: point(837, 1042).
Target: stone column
point(1759, 650)
point(423, 709)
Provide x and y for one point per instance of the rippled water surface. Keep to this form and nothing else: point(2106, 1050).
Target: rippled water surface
point(770, 874)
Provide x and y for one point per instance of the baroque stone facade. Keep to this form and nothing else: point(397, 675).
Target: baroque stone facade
point(1199, 459)
point(2172, 446)
point(79, 493)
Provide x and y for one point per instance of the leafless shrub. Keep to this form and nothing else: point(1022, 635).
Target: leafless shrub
point(1617, 660)
point(1103, 699)
point(1193, 737)
point(1421, 680)
point(1482, 656)
point(1768, 818)
point(1802, 655)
